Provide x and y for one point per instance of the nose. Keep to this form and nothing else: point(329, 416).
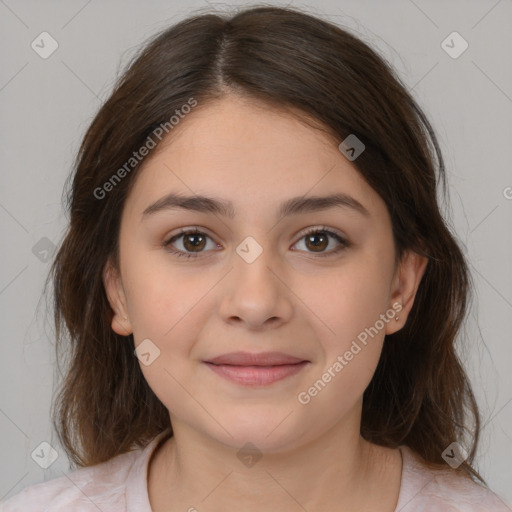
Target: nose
point(255, 294)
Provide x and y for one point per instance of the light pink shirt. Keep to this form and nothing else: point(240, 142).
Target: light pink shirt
point(120, 485)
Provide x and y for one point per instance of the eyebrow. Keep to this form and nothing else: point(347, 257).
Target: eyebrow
point(293, 206)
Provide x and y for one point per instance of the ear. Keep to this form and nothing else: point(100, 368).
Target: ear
point(117, 299)
point(406, 281)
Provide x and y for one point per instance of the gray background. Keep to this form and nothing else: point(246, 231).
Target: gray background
point(46, 104)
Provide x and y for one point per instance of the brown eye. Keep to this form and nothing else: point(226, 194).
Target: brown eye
point(193, 243)
point(318, 239)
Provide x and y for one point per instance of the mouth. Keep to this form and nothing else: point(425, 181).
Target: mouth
point(251, 369)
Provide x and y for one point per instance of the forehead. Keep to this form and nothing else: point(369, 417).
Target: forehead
point(249, 153)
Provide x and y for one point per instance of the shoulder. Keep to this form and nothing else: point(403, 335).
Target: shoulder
point(444, 490)
point(87, 489)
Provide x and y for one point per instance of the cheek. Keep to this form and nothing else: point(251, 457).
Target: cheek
point(350, 336)
point(162, 296)
point(168, 304)
point(346, 307)
point(169, 309)
point(350, 299)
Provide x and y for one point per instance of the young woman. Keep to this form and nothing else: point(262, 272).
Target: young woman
point(258, 296)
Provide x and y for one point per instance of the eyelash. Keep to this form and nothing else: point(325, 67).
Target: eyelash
point(344, 244)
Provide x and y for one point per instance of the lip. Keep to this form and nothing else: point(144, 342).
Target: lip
point(251, 369)
point(255, 359)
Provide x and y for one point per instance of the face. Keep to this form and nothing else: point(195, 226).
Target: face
point(316, 281)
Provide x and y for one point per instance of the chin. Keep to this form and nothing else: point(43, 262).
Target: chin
point(266, 433)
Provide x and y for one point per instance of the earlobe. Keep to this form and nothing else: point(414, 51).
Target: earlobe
point(405, 286)
point(117, 300)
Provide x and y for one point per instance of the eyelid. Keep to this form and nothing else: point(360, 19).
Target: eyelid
point(323, 228)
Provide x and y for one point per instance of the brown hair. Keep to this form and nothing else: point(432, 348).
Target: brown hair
point(420, 395)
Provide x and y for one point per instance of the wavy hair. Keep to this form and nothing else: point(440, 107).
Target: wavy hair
point(420, 395)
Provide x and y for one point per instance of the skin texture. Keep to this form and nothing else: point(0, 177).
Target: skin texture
point(289, 299)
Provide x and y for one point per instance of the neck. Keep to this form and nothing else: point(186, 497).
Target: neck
point(338, 471)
